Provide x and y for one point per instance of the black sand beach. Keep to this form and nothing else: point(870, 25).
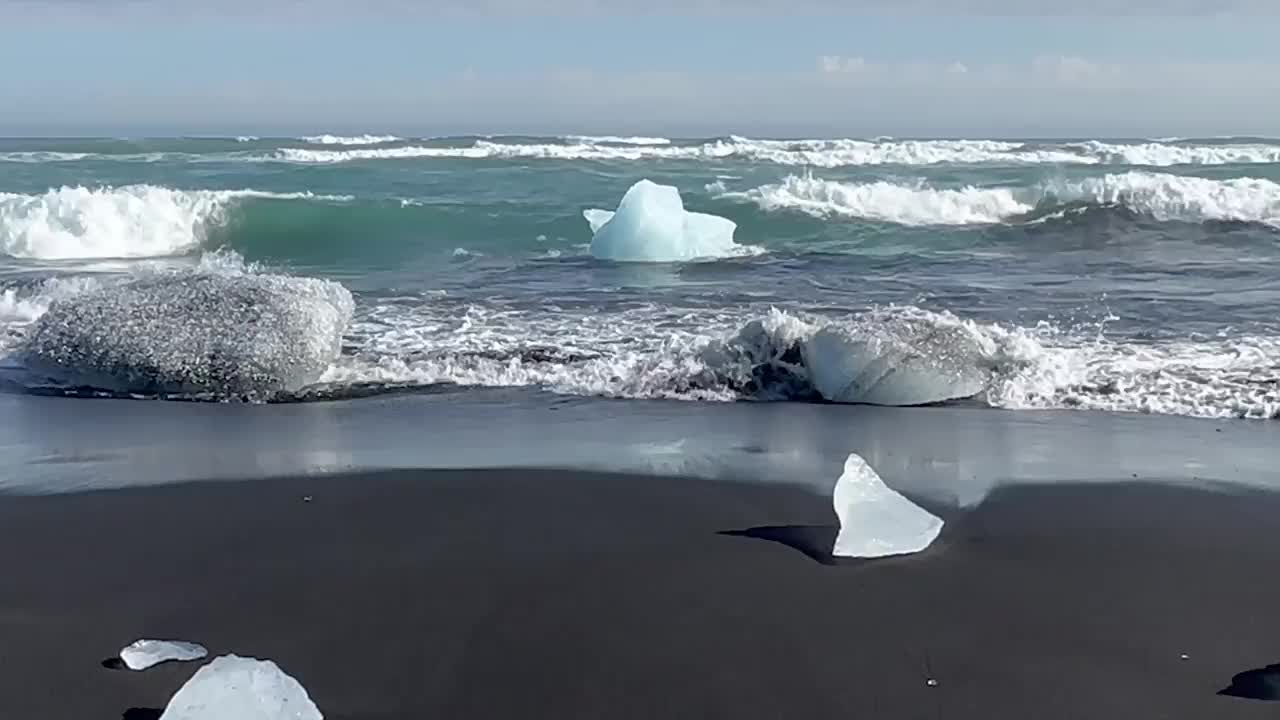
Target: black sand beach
point(545, 594)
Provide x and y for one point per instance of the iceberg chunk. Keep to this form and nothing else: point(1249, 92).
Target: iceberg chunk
point(651, 225)
point(243, 689)
point(142, 654)
point(895, 360)
point(597, 218)
point(875, 520)
point(224, 334)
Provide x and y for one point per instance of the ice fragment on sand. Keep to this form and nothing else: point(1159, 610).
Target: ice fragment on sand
point(142, 654)
point(236, 688)
point(875, 520)
point(651, 225)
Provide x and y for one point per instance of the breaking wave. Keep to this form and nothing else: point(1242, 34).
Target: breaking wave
point(1164, 154)
point(888, 202)
point(1160, 196)
point(1175, 197)
point(898, 355)
point(776, 356)
point(118, 222)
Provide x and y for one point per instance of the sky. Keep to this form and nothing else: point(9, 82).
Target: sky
point(994, 68)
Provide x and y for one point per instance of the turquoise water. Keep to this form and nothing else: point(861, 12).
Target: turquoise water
point(1125, 275)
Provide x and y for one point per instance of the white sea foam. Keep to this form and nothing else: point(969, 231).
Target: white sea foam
point(305, 155)
point(809, 153)
point(1158, 195)
point(121, 222)
point(79, 222)
point(483, 149)
point(817, 153)
point(732, 354)
point(1224, 378)
point(1162, 154)
point(48, 156)
point(915, 204)
point(350, 139)
point(618, 140)
point(840, 153)
point(42, 156)
point(247, 138)
point(1176, 197)
point(21, 306)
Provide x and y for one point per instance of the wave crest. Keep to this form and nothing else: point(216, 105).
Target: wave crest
point(117, 222)
point(1156, 154)
point(887, 202)
point(1175, 197)
point(1160, 196)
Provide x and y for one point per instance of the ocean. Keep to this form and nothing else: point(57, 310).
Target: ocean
point(1115, 275)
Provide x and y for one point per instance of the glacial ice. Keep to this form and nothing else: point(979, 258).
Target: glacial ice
point(897, 361)
point(651, 225)
point(142, 654)
point(228, 334)
point(238, 688)
point(875, 520)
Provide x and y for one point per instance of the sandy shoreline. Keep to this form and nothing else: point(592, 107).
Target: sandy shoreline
point(508, 593)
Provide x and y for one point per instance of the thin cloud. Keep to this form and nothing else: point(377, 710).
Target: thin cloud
point(1062, 71)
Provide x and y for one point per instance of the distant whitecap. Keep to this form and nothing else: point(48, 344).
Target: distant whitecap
point(349, 139)
point(618, 140)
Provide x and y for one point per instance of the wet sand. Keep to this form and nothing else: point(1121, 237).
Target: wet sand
point(546, 594)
